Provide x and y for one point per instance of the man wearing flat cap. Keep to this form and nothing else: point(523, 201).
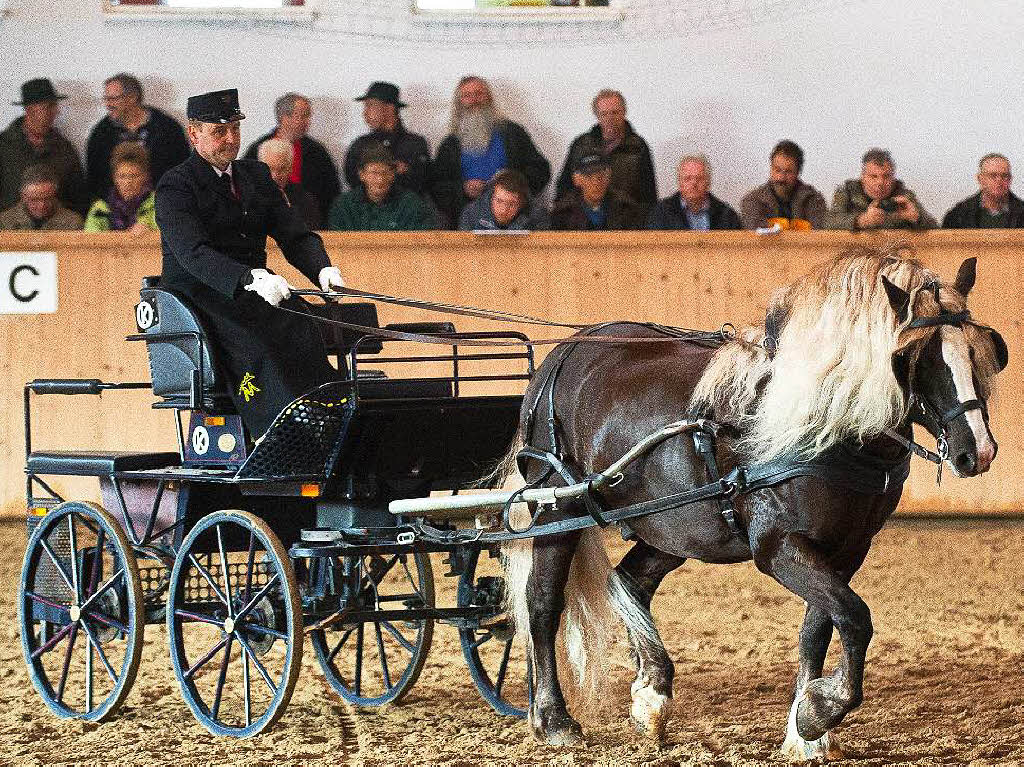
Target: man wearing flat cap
point(312, 166)
point(215, 213)
point(592, 204)
point(381, 103)
point(32, 140)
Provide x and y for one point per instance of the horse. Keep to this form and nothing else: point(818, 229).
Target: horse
point(848, 358)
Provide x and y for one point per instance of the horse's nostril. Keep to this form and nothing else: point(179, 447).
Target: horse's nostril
point(964, 463)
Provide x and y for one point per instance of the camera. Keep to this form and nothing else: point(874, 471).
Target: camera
point(889, 205)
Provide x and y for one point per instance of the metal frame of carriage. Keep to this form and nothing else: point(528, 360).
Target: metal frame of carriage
point(242, 550)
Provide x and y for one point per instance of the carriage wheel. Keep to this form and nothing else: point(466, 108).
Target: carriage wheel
point(497, 660)
point(376, 659)
point(234, 623)
point(80, 612)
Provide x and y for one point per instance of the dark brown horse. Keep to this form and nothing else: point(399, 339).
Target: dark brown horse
point(868, 343)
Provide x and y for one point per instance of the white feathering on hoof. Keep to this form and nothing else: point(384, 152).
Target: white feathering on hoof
point(796, 749)
point(650, 710)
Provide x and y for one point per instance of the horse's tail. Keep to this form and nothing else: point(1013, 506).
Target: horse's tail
point(594, 594)
point(505, 467)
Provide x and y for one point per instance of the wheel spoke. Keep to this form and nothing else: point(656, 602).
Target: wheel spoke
point(206, 658)
point(250, 557)
point(502, 668)
point(209, 578)
point(483, 638)
point(88, 671)
point(359, 659)
point(94, 575)
point(341, 643)
point(245, 687)
point(259, 666)
point(224, 569)
point(383, 657)
point(199, 617)
point(221, 677)
point(73, 542)
point(106, 620)
point(48, 602)
point(398, 635)
point(259, 595)
point(67, 663)
point(265, 630)
point(56, 563)
point(95, 645)
point(54, 640)
point(103, 589)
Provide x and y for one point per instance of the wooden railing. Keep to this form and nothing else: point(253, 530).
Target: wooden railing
point(688, 279)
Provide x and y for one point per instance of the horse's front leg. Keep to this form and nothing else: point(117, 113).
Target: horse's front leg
point(549, 718)
point(815, 636)
point(796, 562)
point(641, 572)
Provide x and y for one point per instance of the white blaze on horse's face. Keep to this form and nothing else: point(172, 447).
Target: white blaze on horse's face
point(956, 354)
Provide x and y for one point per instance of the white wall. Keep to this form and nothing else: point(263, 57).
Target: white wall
point(938, 82)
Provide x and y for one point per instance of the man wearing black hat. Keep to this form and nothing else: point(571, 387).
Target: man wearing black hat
point(215, 213)
point(591, 204)
point(32, 140)
point(410, 150)
point(312, 166)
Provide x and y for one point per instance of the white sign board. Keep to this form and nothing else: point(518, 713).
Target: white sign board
point(28, 283)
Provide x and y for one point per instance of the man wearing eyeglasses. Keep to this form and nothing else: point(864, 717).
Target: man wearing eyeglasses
point(994, 206)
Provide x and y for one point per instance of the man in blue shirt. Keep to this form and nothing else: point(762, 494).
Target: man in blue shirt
point(693, 206)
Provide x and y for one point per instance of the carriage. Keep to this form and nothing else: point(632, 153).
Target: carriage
point(793, 450)
point(243, 550)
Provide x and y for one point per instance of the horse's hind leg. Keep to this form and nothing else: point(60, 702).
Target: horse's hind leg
point(815, 636)
point(641, 572)
point(549, 718)
point(799, 566)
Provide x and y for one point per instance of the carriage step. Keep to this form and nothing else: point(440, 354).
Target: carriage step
point(95, 463)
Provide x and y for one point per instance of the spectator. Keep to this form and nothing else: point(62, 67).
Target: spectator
point(378, 204)
point(877, 200)
point(592, 203)
point(411, 151)
point(481, 141)
point(693, 206)
point(994, 206)
point(278, 156)
point(614, 138)
point(38, 206)
point(312, 166)
point(130, 204)
point(785, 200)
point(505, 203)
point(128, 119)
point(32, 140)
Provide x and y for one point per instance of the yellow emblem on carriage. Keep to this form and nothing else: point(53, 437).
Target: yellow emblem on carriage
point(248, 387)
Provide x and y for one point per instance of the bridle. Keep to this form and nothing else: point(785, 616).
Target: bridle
point(939, 418)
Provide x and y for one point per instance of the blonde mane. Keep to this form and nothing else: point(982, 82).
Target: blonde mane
point(831, 378)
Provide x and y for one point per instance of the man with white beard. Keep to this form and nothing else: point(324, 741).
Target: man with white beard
point(481, 142)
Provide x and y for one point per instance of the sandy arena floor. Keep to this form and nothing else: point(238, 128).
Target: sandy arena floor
point(945, 679)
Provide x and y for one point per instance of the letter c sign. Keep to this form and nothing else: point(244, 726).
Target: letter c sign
point(28, 283)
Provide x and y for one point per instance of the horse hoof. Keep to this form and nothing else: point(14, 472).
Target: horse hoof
point(568, 736)
point(650, 713)
point(565, 733)
point(816, 712)
point(797, 749)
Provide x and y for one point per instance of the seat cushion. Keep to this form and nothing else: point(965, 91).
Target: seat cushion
point(96, 463)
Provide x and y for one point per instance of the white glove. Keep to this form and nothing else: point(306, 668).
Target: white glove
point(272, 288)
point(330, 277)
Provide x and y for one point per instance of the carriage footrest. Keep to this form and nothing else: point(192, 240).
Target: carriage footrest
point(95, 463)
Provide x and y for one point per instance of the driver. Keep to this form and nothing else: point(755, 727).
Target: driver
point(214, 214)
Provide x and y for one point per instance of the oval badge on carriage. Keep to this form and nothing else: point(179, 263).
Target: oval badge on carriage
point(28, 283)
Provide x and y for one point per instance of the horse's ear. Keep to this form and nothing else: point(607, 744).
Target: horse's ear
point(899, 299)
point(965, 276)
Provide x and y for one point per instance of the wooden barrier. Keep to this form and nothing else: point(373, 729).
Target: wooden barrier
point(688, 279)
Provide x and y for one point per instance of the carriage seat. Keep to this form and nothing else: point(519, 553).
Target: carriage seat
point(97, 463)
point(177, 347)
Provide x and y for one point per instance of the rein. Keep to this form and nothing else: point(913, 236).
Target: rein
point(672, 334)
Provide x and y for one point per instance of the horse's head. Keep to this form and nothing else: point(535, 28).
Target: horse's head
point(945, 362)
